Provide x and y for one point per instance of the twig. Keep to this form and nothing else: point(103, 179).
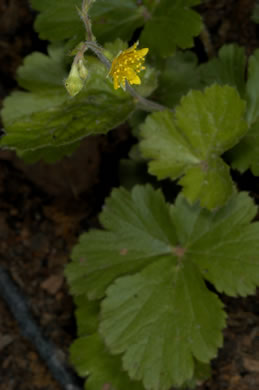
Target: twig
point(19, 308)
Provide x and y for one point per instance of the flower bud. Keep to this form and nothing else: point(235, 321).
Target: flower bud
point(83, 72)
point(74, 82)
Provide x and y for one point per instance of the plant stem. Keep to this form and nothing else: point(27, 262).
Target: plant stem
point(147, 105)
point(98, 51)
point(86, 20)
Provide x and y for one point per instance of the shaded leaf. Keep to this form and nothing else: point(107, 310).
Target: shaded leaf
point(179, 74)
point(227, 69)
point(255, 13)
point(252, 88)
point(91, 358)
point(172, 24)
point(87, 315)
point(110, 19)
point(49, 154)
point(245, 155)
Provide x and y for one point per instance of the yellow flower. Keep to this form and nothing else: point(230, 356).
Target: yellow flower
point(126, 66)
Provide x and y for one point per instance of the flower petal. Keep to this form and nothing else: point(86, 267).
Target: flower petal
point(143, 52)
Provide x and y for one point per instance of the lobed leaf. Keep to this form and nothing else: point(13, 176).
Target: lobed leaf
point(179, 74)
point(153, 259)
point(160, 319)
point(227, 69)
point(139, 230)
point(222, 241)
point(55, 17)
point(172, 24)
point(190, 142)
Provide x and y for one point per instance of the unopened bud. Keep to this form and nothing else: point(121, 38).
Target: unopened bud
point(74, 82)
point(83, 72)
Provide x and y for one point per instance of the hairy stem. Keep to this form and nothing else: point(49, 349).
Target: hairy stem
point(86, 20)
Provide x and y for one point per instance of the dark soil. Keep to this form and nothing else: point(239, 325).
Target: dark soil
point(42, 212)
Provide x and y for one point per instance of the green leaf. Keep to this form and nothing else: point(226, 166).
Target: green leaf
point(252, 88)
point(49, 154)
point(223, 244)
point(55, 17)
point(160, 319)
point(179, 74)
point(149, 81)
point(91, 358)
point(87, 315)
point(41, 72)
point(190, 142)
point(228, 69)
point(138, 229)
point(113, 48)
point(158, 312)
point(245, 155)
point(211, 183)
point(110, 19)
point(173, 24)
point(46, 118)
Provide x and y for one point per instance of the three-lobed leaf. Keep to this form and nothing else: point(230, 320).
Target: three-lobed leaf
point(190, 142)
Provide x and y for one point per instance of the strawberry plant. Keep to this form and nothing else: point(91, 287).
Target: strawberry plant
point(146, 285)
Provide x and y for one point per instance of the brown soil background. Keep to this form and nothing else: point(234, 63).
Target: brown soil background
point(42, 212)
